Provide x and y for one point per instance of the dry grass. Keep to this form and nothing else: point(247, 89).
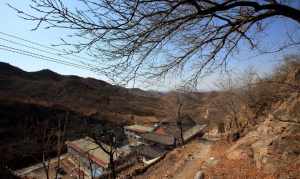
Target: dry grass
point(231, 168)
point(237, 169)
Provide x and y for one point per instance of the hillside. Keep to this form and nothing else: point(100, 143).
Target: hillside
point(257, 136)
point(253, 128)
point(90, 97)
point(34, 102)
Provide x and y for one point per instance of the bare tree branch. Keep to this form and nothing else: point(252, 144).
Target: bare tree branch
point(154, 38)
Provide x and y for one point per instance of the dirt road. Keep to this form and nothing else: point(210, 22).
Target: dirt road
point(199, 155)
point(183, 162)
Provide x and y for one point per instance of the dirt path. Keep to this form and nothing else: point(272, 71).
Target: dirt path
point(200, 153)
point(183, 162)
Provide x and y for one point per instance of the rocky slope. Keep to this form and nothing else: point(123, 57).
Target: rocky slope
point(274, 145)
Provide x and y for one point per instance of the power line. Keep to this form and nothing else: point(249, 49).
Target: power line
point(42, 58)
point(38, 56)
point(41, 50)
point(42, 45)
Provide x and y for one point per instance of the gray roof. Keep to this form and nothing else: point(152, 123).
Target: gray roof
point(150, 151)
point(158, 138)
point(190, 133)
point(171, 128)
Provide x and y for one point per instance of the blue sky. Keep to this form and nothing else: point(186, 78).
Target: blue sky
point(12, 24)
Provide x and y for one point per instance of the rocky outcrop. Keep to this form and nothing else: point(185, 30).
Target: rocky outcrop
point(275, 144)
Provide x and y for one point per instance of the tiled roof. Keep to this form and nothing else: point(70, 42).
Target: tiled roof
point(150, 151)
point(170, 127)
point(139, 128)
point(193, 131)
point(158, 138)
point(87, 147)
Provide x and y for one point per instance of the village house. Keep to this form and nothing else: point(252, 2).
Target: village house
point(153, 142)
point(171, 129)
point(84, 159)
point(134, 133)
point(162, 140)
point(90, 158)
point(147, 144)
point(149, 154)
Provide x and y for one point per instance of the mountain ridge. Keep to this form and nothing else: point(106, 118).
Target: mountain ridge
point(85, 95)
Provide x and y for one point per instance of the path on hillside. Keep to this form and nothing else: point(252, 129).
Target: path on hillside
point(182, 162)
point(200, 154)
point(211, 157)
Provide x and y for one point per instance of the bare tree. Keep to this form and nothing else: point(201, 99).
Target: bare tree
point(107, 141)
point(92, 171)
point(179, 122)
point(61, 134)
point(49, 139)
point(186, 35)
point(46, 144)
point(179, 105)
point(233, 99)
point(182, 95)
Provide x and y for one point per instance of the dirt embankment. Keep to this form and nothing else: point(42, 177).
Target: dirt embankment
point(182, 162)
point(216, 160)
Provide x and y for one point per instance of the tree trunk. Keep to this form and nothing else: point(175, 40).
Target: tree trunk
point(179, 123)
point(112, 166)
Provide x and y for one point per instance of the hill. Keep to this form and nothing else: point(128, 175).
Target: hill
point(87, 96)
point(33, 102)
point(257, 134)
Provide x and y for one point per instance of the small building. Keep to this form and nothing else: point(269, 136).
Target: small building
point(150, 153)
point(134, 133)
point(196, 130)
point(90, 158)
point(161, 140)
point(170, 128)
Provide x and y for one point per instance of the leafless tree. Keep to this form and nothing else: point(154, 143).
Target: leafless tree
point(50, 139)
point(92, 171)
point(179, 121)
point(61, 134)
point(153, 38)
point(182, 95)
point(46, 144)
point(248, 95)
point(107, 141)
point(229, 101)
point(179, 111)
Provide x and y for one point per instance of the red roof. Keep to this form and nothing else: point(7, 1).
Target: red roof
point(160, 130)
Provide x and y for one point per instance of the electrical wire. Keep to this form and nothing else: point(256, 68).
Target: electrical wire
point(43, 57)
point(44, 46)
